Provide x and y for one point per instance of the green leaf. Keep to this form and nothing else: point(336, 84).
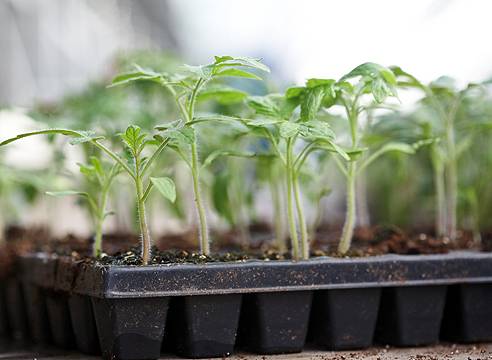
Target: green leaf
point(311, 103)
point(263, 122)
point(67, 193)
point(222, 94)
point(265, 105)
point(444, 83)
point(289, 129)
point(389, 147)
point(405, 79)
point(169, 125)
point(378, 79)
point(165, 186)
point(182, 134)
point(380, 90)
point(81, 136)
point(201, 71)
point(98, 168)
point(373, 71)
point(398, 146)
point(317, 130)
point(134, 139)
point(294, 92)
point(217, 153)
point(241, 61)
point(137, 75)
point(274, 106)
point(333, 147)
point(220, 197)
point(311, 83)
point(88, 171)
point(238, 73)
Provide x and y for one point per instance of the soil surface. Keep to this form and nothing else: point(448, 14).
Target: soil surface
point(372, 241)
point(438, 352)
point(122, 249)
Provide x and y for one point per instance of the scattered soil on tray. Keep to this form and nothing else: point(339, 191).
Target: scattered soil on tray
point(159, 257)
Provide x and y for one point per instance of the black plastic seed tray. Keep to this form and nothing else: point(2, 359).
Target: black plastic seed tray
point(267, 307)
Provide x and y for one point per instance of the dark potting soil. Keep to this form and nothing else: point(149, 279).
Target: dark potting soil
point(373, 241)
point(367, 241)
point(159, 257)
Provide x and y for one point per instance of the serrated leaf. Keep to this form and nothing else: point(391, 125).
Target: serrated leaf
point(241, 61)
point(380, 90)
point(264, 105)
point(134, 139)
point(274, 106)
point(317, 129)
point(183, 135)
point(373, 71)
point(165, 186)
point(288, 129)
point(311, 103)
point(202, 71)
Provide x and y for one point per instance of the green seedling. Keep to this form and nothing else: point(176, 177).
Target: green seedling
point(443, 111)
point(285, 129)
point(378, 83)
point(134, 163)
point(186, 87)
point(99, 177)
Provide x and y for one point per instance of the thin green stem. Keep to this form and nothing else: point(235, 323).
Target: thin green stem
point(147, 191)
point(301, 158)
point(154, 156)
point(195, 168)
point(348, 227)
point(142, 216)
point(290, 207)
point(300, 216)
point(440, 189)
point(275, 146)
point(451, 173)
point(277, 214)
point(116, 158)
point(195, 172)
point(103, 199)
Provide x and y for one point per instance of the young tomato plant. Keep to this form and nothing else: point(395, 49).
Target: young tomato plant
point(136, 165)
point(186, 87)
point(99, 177)
point(443, 111)
point(379, 83)
point(286, 129)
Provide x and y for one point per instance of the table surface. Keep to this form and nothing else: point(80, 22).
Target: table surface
point(437, 352)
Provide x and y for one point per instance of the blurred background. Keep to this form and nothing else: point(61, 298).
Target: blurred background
point(52, 49)
point(49, 48)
